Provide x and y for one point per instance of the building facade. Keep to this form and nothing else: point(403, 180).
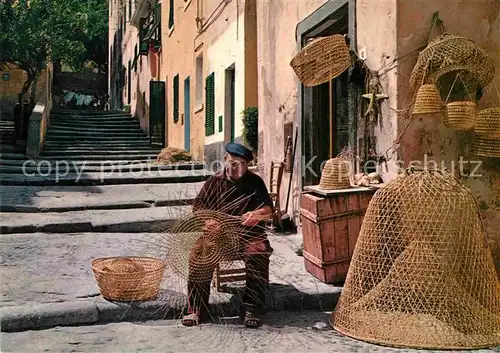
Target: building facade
point(387, 37)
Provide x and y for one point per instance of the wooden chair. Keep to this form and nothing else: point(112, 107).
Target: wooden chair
point(276, 177)
point(223, 276)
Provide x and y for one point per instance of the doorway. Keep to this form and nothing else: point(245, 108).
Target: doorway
point(328, 122)
point(187, 114)
point(157, 113)
point(229, 108)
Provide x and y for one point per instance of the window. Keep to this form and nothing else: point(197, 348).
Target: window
point(176, 98)
point(129, 83)
point(135, 57)
point(210, 105)
point(124, 19)
point(199, 82)
point(171, 15)
point(129, 9)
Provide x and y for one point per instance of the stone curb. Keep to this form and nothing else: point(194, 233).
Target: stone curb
point(148, 226)
point(44, 316)
point(106, 181)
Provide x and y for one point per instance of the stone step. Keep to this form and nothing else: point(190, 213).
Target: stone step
point(100, 139)
point(101, 178)
point(12, 156)
point(78, 153)
point(84, 149)
point(78, 145)
point(86, 119)
point(32, 168)
point(54, 132)
point(87, 112)
point(95, 127)
point(44, 162)
point(92, 157)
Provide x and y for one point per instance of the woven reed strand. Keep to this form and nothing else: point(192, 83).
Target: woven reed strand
point(421, 275)
point(484, 146)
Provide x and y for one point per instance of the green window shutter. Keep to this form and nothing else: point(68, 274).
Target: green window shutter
point(157, 20)
point(124, 18)
point(176, 98)
point(220, 123)
point(171, 14)
point(210, 105)
point(129, 9)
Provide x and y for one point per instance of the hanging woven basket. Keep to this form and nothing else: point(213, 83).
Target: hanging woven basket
point(322, 60)
point(421, 275)
point(460, 115)
point(128, 278)
point(428, 100)
point(448, 51)
point(335, 175)
point(485, 146)
point(488, 123)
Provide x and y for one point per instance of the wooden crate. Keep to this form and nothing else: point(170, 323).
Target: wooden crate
point(330, 227)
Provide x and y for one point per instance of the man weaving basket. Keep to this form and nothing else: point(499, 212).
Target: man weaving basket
point(234, 184)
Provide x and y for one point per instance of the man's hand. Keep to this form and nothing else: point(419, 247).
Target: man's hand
point(253, 218)
point(211, 226)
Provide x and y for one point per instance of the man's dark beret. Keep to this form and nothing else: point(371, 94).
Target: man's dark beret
point(239, 150)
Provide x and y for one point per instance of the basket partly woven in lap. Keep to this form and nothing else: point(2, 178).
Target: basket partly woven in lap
point(128, 278)
point(488, 123)
point(428, 100)
point(450, 50)
point(485, 146)
point(421, 274)
point(335, 175)
point(322, 60)
point(460, 115)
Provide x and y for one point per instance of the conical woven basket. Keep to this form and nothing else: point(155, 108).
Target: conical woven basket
point(428, 100)
point(322, 60)
point(335, 175)
point(485, 146)
point(488, 123)
point(421, 274)
point(460, 115)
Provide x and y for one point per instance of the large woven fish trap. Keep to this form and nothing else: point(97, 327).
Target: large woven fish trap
point(488, 123)
point(193, 252)
point(421, 274)
point(322, 60)
point(448, 53)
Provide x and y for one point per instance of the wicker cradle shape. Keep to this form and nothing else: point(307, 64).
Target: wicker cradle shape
point(322, 60)
point(421, 274)
point(485, 146)
point(488, 123)
point(452, 51)
point(335, 174)
point(460, 115)
point(128, 278)
point(428, 100)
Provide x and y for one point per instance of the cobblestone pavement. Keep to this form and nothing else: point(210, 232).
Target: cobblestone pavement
point(66, 196)
point(43, 268)
point(283, 332)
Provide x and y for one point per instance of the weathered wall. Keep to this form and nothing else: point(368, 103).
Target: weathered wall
point(479, 21)
point(278, 85)
point(10, 89)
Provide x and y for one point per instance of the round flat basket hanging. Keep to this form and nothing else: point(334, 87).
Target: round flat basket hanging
point(335, 175)
point(488, 123)
point(428, 100)
point(485, 146)
point(128, 278)
point(451, 52)
point(421, 275)
point(460, 115)
point(322, 60)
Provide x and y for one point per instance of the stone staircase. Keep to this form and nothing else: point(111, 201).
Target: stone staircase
point(93, 148)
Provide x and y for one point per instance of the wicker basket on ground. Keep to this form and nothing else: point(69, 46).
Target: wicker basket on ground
point(460, 115)
point(488, 123)
point(322, 60)
point(128, 278)
point(335, 174)
point(428, 100)
point(421, 274)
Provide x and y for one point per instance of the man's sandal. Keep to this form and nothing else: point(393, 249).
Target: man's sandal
point(251, 320)
point(190, 320)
